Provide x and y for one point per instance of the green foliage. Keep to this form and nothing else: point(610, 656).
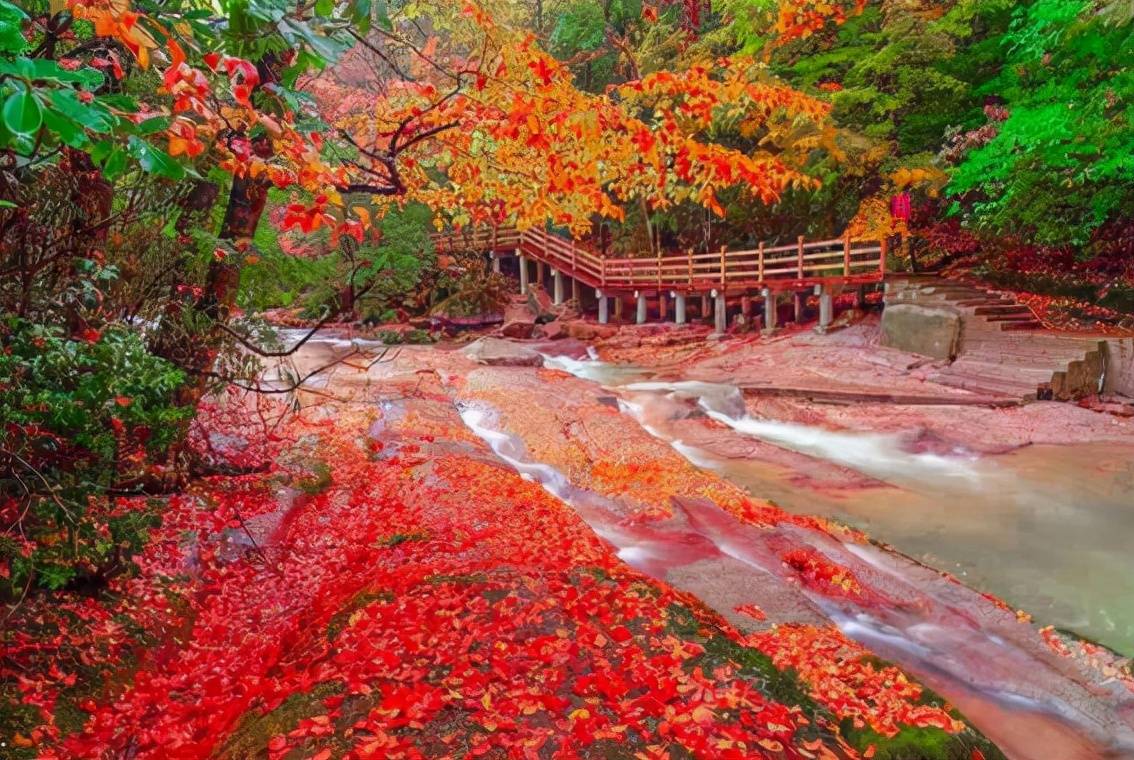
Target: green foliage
point(280, 279)
point(403, 254)
point(1062, 163)
point(78, 415)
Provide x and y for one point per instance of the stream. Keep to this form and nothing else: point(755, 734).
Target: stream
point(1047, 528)
point(1044, 527)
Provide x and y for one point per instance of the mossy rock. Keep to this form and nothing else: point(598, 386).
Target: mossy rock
point(251, 736)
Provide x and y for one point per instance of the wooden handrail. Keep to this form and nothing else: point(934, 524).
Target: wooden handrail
point(838, 258)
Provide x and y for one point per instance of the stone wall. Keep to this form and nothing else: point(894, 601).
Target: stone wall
point(1120, 366)
point(933, 331)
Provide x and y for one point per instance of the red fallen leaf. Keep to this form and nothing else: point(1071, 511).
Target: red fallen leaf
point(752, 611)
point(621, 634)
point(277, 743)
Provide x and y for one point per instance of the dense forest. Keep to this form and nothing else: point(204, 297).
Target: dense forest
point(172, 173)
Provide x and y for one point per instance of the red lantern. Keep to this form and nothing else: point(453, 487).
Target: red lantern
point(900, 207)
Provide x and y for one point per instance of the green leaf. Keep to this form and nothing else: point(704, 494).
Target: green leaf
point(152, 125)
point(92, 116)
point(382, 15)
point(22, 113)
point(154, 160)
point(66, 130)
point(11, 35)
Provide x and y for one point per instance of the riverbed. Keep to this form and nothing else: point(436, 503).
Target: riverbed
point(1041, 526)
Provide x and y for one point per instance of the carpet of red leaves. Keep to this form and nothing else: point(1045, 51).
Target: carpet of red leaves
point(416, 599)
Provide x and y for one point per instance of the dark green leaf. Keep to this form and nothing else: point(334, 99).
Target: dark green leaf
point(22, 113)
point(154, 160)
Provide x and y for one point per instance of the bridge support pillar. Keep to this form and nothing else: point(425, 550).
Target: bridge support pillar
point(557, 278)
point(679, 308)
point(826, 308)
point(642, 308)
point(603, 307)
point(618, 309)
point(771, 301)
point(746, 306)
point(495, 262)
point(663, 306)
point(720, 313)
point(704, 306)
point(539, 273)
point(860, 297)
point(798, 299)
point(523, 275)
point(576, 296)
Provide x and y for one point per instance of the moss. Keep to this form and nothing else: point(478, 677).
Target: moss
point(317, 480)
point(341, 619)
point(252, 734)
point(786, 687)
point(16, 719)
point(400, 538)
point(920, 744)
point(467, 579)
point(783, 686)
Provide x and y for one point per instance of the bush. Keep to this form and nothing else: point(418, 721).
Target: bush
point(80, 417)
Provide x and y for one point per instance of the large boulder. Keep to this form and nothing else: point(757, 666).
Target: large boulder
point(580, 330)
point(495, 352)
point(519, 320)
point(933, 331)
point(541, 304)
point(551, 331)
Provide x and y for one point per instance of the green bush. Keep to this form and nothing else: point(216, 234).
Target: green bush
point(79, 417)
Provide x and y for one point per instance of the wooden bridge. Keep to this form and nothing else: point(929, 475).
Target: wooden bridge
point(821, 267)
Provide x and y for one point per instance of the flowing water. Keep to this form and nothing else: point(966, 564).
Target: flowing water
point(1047, 528)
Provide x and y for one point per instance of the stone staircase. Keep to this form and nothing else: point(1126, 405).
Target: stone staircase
point(1001, 348)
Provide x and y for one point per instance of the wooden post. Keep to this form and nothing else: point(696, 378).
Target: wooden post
point(885, 246)
point(602, 271)
point(761, 263)
point(724, 250)
point(574, 268)
point(846, 255)
point(690, 255)
point(659, 275)
point(799, 264)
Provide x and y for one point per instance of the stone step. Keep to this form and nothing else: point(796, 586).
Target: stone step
point(1017, 315)
point(987, 301)
point(999, 310)
point(996, 337)
point(994, 369)
point(1059, 361)
point(987, 386)
point(1016, 325)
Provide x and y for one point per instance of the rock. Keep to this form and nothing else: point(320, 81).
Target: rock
point(519, 321)
point(580, 330)
point(927, 330)
point(519, 329)
point(495, 352)
point(540, 304)
point(551, 331)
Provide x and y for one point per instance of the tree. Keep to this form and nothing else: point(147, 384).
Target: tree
point(1055, 159)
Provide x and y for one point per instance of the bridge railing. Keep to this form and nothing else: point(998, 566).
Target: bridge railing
point(802, 261)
